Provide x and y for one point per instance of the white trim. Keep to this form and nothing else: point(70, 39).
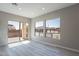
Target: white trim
point(55, 45)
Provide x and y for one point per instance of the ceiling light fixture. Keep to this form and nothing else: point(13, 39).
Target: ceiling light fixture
point(43, 8)
point(20, 8)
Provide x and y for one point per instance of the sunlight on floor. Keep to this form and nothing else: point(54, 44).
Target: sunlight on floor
point(18, 44)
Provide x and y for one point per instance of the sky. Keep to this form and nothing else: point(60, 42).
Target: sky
point(53, 23)
point(15, 23)
point(49, 23)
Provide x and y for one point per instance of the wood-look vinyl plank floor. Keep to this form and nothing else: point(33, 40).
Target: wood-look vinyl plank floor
point(33, 48)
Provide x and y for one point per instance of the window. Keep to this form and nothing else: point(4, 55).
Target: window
point(39, 24)
point(53, 28)
point(39, 28)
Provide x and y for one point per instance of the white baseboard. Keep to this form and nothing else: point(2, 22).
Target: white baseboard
point(55, 45)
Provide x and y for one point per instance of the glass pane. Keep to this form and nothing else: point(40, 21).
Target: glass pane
point(53, 23)
point(48, 35)
point(53, 28)
point(13, 31)
point(37, 33)
point(39, 24)
point(39, 28)
point(13, 25)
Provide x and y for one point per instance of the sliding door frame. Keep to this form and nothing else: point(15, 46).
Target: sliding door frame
point(19, 39)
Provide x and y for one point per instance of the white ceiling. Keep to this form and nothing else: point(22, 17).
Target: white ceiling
point(32, 10)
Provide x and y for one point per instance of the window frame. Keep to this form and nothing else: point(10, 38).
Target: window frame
point(50, 30)
point(38, 28)
point(45, 27)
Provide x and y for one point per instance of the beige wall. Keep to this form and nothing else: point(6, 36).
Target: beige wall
point(69, 26)
point(4, 18)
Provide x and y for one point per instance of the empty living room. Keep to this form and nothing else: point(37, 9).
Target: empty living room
point(39, 29)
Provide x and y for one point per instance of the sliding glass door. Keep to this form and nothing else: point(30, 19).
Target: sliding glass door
point(13, 31)
point(17, 31)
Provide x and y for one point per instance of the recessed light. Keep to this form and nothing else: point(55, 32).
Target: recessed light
point(20, 8)
point(27, 24)
point(43, 8)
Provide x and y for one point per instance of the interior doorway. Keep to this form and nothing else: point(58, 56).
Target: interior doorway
point(17, 31)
